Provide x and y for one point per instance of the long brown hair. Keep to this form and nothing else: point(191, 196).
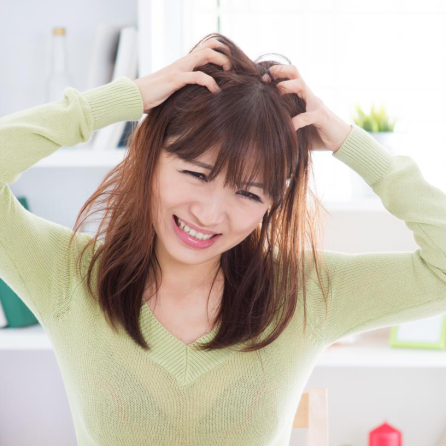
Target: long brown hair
point(251, 122)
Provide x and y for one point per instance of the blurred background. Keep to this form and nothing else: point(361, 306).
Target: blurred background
point(380, 64)
point(385, 51)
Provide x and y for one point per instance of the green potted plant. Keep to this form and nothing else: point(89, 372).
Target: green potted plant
point(381, 127)
point(378, 124)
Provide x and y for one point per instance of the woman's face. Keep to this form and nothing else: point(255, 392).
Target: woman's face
point(183, 192)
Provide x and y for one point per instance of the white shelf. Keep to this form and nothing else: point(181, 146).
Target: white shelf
point(355, 205)
point(33, 337)
point(81, 157)
point(371, 350)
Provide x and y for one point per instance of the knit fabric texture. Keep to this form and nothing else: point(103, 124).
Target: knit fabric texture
point(121, 395)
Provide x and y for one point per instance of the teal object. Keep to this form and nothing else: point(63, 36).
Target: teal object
point(16, 312)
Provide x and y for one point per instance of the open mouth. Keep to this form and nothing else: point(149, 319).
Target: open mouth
point(178, 224)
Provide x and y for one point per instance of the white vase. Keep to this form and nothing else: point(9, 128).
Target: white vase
point(360, 189)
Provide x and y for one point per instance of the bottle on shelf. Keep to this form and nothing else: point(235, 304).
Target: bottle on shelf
point(59, 78)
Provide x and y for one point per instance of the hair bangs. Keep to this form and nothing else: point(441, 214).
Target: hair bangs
point(249, 154)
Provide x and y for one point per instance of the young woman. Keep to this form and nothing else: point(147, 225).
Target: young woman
point(197, 312)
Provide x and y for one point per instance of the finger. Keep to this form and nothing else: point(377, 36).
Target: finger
point(208, 55)
point(184, 63)
point(266, 77)
point(296, 86)
point(290, 71)
point(304, 119)
point(212, 44)
point(200, 78)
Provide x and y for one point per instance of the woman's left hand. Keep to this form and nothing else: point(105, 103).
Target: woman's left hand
point(328, 131)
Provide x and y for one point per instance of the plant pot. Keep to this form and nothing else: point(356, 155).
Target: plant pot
point(360, 189)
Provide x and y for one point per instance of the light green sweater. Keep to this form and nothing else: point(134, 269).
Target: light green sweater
point(121, 395)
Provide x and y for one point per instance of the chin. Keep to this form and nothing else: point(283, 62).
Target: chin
point(192, 258)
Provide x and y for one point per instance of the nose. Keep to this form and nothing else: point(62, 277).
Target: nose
point(209, 208)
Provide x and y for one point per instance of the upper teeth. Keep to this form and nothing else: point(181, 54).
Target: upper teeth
point(192, 232)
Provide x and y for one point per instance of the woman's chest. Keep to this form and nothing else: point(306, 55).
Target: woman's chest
point(128, 393)
point(186, 321)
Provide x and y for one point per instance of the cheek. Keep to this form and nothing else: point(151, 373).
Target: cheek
point(166, 194)
point(172, 189)
point(245, 222)
point(175, 193)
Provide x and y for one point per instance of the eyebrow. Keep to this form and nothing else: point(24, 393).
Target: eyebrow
point(209, 167)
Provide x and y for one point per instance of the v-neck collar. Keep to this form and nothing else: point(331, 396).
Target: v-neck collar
point(184, 361)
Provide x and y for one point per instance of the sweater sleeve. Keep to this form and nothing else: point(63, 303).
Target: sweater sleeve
point(34, 260)
point(376, 290)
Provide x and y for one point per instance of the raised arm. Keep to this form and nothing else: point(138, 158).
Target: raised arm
point(34, 260)
point(376, 290)
point(35, 133)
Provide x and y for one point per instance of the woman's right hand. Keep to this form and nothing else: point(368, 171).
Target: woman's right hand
point(155, 88)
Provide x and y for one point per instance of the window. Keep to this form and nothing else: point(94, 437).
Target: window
point(349, 52)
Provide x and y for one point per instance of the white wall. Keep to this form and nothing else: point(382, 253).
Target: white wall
point(25, 42)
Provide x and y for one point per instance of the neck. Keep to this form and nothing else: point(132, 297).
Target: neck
point(182, 281)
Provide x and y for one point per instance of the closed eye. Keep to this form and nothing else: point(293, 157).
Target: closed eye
point(195, 174)
point(244, 193)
